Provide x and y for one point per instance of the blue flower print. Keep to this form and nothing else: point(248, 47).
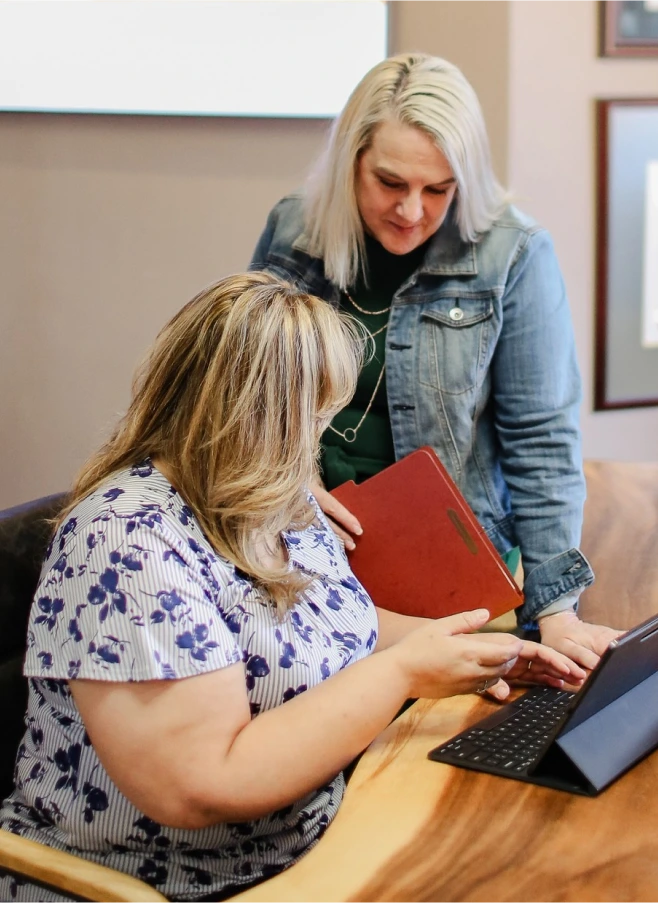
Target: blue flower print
point(68, 762)
point(50, 608)
point(185, 515)
point(197, 642)
point(255, 666)
point(166, 671)
point(95, 799)
point(287, 656)
point(60, 564)
point(325, 670)
point(46, 660)
point(152, 873)
point(131, 562)
point(147, 516)
point(108, 583)
point(149, 828)
point(143, 469)
point(169, 602)
point(69, 527)
point(74, 669)
point(321, 538)
point(334, 600)
point(236, 618)
point(107, 653)
point(346, 641)
point(351, 583)
point(194, 545)
point(74, 630)
point(113, 494)
point(199, 878)
point(174, 556)
point(303, 631)
point(291, 692)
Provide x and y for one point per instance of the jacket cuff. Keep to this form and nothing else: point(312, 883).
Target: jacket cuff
point(568, 572)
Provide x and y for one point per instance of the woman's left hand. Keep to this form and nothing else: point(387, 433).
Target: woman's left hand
point(538, 664)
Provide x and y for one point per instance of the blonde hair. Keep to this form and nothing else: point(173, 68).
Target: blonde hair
point(233, 398)
point(422, 91)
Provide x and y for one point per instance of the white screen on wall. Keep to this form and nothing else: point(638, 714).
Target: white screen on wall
point(187, 57)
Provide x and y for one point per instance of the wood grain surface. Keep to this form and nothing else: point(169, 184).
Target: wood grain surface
point(411, 829)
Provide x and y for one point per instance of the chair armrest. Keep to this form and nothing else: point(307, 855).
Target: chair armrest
point(66, 872)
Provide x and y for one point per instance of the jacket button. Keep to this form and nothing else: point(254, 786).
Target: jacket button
point(456, 314)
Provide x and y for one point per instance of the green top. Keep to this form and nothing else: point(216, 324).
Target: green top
point(372, 448)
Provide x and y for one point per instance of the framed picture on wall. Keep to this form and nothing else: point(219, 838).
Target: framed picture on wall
point(626, 334)
point(628, 27)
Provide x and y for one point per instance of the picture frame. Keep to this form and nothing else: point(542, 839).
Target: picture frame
point(626, 327)
point(628, 28)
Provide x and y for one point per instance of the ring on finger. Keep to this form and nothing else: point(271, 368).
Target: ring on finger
point(486, 684)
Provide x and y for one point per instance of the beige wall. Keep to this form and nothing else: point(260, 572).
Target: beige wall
point(108, 224)
point(555, 75)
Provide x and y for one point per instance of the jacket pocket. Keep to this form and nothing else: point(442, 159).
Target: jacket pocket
point(455, 333)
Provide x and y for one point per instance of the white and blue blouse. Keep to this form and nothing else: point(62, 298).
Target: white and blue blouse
point(131, 590)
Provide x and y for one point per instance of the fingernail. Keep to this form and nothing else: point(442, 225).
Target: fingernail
point(350, 544)
point(358, 530)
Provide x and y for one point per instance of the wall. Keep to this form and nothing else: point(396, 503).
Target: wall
point(555, 75)
point(108, 224)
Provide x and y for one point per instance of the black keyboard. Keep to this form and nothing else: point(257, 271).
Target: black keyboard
point(514, 738)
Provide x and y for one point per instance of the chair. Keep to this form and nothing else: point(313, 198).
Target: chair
point(24, 535)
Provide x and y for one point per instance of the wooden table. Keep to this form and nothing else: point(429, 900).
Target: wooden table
point(411, 829)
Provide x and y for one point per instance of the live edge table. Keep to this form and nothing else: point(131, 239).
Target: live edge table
point(412, 829)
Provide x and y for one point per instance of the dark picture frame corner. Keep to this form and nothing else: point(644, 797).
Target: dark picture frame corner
point(628, 28)
point(626, 326)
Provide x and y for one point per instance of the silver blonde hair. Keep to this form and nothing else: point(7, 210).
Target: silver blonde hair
point(422, 91)
point(233, 398)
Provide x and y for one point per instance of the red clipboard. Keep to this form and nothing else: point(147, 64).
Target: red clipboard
point(423, 552)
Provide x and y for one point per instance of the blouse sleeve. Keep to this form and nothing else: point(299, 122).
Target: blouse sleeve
point(129, 599)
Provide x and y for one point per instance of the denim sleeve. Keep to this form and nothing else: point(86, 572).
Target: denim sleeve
point(537, 392)
point(259, 257)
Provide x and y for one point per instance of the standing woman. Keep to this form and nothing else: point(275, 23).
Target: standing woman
point(404, 225)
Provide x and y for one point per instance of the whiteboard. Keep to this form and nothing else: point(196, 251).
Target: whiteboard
point(187, 57)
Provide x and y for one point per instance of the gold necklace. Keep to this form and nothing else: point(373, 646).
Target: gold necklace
point(373, 313)
point(354, 430)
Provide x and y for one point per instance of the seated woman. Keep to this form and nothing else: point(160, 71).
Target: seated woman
point(202, 662)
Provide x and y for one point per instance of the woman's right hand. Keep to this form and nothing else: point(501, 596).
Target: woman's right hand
point(441, 659)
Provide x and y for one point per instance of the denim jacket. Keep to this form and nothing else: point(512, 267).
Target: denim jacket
point(481, 365)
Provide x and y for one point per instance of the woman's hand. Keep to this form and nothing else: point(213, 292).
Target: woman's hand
point(584, 643)
point(440, 659)
point(342, 521)
point(538, 664)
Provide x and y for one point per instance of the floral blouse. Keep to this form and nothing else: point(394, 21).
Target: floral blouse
point(132, 590)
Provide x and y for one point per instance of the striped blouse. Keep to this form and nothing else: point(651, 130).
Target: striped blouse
point(131, 590)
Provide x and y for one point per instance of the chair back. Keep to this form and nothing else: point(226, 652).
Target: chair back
point(24, 536)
